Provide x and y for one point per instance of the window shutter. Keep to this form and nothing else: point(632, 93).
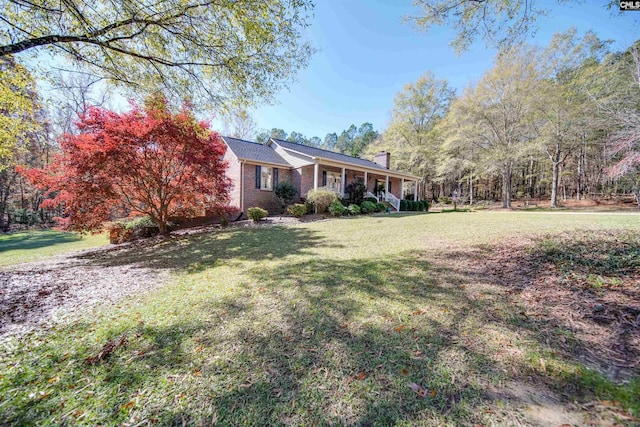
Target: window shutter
point(258, 173)
point(275, 177)
point(324, 178)
point(389, 186)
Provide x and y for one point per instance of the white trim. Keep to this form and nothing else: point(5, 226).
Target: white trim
point(260, 163)
point(402, 189)
point(338, 163)
point(344, 182)
point(374, 171)
point(241, 186)
point(316, 168)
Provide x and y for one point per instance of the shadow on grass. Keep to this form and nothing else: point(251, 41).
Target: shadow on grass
point(320, 342)
point(199, 252)
point(35, 240)
point(314, 342)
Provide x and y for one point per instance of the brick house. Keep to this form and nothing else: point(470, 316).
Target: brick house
point(256, 169)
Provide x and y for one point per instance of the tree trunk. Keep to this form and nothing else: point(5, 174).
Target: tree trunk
point(162, 226)
point(580, 173)
point(636, 190)
point(471, 189)
point(506, 188)
point(556, 176)
point(554, 184)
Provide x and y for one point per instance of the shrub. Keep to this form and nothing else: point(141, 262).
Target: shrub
point(421, 205)
point(353, 209)
point(132, 229)
point(369, 199)
point(309, 206)
point(142, 227)
point(367, 207)
point(337, 209)
point(403, 205)
point(297, 210)
point(355, 192)
point(381, 207)
point(118, 233)
point(286, 192)
point(321, 199)
point(256, 214)
point(445, 200)
point(415, 206)
point(426, 205)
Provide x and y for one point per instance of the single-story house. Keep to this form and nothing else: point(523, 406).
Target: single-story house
point(256, 169)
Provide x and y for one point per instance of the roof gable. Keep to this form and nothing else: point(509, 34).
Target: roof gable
point(326, 154)
point(254, 152)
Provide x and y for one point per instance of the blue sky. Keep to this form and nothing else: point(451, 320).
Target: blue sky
point(366, 55)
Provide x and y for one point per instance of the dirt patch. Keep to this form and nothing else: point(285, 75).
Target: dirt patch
point(583, 290)
point(37, 295)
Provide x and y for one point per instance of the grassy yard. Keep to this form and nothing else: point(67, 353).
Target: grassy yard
point(26, 246)
point(390, 320)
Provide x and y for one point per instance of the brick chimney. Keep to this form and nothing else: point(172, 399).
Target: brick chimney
point(383, 158)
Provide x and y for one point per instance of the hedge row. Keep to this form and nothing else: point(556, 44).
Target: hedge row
point(410, 205)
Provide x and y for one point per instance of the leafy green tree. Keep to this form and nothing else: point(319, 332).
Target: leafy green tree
point(501, 24)
point(354, 141)
point(20, 128)
point(330, 141)
point(418, 108)
point(18, 105)
point(315, 141)
point(276, 133)
point(211, 51)
point(497, 115)
point(297, 138)
point(562, 101)
point(345, 140)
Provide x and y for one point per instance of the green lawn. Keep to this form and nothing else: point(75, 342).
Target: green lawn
point(365, 321)
point(26, 246)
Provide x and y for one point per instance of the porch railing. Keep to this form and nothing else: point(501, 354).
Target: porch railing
point(370, 194)
point(393, 200)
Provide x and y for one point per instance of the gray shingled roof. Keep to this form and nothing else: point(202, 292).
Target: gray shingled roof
point(325, 154)
point(253, 151)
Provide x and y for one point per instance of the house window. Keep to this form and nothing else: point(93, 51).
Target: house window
point(266, 177)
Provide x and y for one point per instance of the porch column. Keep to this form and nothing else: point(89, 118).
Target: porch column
point(365, 181)
point(344, 182)
point(401, 189)
point(316, 169)
point(386, 184)
point(415, 192)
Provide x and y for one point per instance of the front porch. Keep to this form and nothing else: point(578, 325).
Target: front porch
point(388, 187)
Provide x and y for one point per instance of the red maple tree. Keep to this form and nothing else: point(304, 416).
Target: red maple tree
point(147, 161)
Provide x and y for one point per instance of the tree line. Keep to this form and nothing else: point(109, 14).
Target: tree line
point(352, 141)
point(544, 122)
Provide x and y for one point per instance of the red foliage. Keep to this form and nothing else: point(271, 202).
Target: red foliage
point(147, 161)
